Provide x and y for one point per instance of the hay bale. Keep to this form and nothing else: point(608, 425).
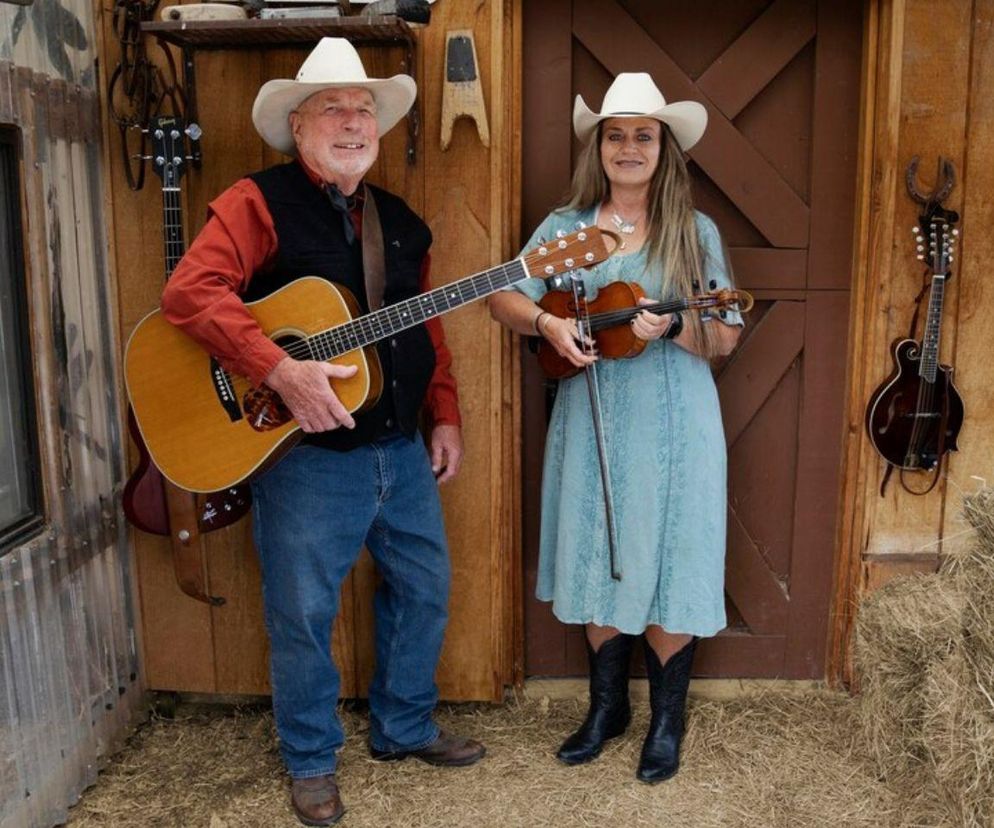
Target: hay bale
point(925, 656)
point(901, 629)
point(958, 735)
point(972, 565)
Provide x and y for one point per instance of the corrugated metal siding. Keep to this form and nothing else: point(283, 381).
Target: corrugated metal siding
point(68, 668)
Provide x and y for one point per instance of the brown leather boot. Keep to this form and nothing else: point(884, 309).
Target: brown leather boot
point(448, 750)
point(316, 801)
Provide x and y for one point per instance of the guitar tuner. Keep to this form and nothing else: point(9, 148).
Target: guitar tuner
point(560, 234)
point(174, 134)
point(193, 132)
point(141, 157)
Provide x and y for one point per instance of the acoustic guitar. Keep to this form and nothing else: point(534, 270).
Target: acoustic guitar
point(207, 429)
point(146, 500)
point(914, 417)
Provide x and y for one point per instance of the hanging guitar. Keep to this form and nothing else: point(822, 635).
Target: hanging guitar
point(145, 499)
point(914, 417)
point(152, 503)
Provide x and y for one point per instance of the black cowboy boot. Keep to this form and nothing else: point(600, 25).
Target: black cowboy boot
point(667, 699)
point(610, 711)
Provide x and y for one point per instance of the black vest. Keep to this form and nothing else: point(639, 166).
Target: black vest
point(311, 242)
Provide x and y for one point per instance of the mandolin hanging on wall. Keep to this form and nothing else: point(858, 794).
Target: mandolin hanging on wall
point(913, 419)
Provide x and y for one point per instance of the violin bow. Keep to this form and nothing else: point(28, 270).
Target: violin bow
point(593, 391)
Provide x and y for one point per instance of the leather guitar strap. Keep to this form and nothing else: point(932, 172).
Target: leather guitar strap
point(187, 549)
point(373, 257)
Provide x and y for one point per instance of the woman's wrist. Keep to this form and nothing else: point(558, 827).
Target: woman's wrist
point(540, 321)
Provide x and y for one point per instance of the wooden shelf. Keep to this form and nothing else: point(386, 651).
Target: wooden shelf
point(235, 34)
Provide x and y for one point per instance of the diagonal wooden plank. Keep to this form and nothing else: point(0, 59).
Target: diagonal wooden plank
point(744, 69)
point(758, 365)
point(749, 181)
point(751, 584)
point(756, 268)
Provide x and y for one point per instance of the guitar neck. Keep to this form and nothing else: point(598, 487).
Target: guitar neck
point(933, 328)
point(172, 227)
point(393, 319)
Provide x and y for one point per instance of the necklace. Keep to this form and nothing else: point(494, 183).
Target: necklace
point(624, 226)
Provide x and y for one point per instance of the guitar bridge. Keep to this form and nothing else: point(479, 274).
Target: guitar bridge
point(225, 392)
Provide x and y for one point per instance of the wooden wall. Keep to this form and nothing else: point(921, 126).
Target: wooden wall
point(928, 91)
point(69, 684)
point(468, 195)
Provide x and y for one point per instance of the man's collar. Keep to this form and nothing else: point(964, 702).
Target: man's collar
point(356, 198)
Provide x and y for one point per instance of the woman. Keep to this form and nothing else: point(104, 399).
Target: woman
point(661, 422)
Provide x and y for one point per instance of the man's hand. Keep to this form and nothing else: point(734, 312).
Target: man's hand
point(304, 388)
point(446, 451)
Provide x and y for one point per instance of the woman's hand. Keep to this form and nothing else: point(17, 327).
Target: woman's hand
point(650, 326)
point(562, 335)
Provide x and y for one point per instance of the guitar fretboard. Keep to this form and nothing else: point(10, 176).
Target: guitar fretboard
point(172, 227)
point(392, 319)
point(933, 328)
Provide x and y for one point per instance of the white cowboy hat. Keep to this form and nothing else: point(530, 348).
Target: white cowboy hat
point(333, 64)
point(634, 95)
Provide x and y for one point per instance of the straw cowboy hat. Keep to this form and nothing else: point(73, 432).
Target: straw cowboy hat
point(634, 95)
point(333, 64)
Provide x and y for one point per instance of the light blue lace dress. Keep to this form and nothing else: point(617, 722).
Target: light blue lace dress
point(666, 450)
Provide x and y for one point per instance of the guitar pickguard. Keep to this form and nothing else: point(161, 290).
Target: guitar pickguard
point(264, 409)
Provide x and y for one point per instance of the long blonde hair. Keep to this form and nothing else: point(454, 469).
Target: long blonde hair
point(672, 229)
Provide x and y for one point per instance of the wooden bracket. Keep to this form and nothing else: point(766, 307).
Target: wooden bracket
point(462, 94)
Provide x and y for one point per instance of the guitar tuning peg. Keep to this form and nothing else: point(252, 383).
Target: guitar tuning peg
point(580, 225)
point(920, 257)
point(560, 234)
point(920, 248)
point(955, 231)
point(541, 239)
point(919, 239)
point(194, 132)
point(916, 229)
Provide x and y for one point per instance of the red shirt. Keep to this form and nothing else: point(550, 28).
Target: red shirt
point(202, 295)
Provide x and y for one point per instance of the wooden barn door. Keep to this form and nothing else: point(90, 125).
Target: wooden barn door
point(776, 170)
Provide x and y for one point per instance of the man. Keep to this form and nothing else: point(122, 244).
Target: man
point(350, 481)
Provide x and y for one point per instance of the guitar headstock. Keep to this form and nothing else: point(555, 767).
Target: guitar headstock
point(570, 251)
point(935, 237)
point(168, 135)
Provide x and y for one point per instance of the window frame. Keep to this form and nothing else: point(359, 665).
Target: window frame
point(17, 532)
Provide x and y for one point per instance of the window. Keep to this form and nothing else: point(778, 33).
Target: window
point(20, 492)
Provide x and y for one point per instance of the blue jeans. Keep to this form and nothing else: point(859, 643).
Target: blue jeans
point(312, 513)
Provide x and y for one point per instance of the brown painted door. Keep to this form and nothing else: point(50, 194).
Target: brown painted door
point(776, 170)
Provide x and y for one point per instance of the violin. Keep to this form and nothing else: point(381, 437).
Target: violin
point(607, 316)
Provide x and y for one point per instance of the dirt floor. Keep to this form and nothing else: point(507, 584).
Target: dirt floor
point(772, 759)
